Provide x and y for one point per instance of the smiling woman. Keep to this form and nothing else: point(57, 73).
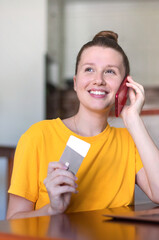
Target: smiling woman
point(117, 157)
point(100, 73)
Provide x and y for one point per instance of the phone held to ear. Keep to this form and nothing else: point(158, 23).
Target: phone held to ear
point(121, 97)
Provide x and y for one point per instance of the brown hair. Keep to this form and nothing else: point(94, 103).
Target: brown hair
point(105, 39)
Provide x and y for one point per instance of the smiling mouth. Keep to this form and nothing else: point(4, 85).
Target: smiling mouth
point(98, 93)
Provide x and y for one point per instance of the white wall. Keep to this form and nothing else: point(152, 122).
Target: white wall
point(22, 50)
point(136, 22)
point(22, 91)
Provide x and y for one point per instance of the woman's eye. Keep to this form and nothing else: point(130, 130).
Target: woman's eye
point(110, 71)
point(89, 69)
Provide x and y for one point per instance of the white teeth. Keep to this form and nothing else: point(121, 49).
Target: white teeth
point(97, 92)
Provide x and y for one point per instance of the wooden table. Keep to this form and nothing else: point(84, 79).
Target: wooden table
point(81, 226)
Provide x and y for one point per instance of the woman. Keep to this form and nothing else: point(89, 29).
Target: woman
point(116, 159)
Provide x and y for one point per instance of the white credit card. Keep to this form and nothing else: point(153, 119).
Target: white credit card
point(74, 153)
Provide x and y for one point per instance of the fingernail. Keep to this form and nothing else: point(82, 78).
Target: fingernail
point(65, 168)
point(66, 165)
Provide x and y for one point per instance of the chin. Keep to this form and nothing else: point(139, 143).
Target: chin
point(100, 110)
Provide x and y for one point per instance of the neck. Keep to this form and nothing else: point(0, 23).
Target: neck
point(90, 123)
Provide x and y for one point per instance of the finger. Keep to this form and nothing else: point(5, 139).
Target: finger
point(60, 172)
point(55, 165)
point(132, 95)
point(63, 173)
point(130, 80)
point(59, 182)
point(60, 186)
point(136, 96)
point(65, 189)
point(136, 88)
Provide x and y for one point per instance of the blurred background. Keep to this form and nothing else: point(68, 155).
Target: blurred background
point(39, 41)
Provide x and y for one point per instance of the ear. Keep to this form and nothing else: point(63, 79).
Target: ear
point(74, 82)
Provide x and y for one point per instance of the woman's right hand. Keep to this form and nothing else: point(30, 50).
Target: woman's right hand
point(60, 184)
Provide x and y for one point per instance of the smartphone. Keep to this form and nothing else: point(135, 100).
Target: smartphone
point(121, 97)
point(74, 153)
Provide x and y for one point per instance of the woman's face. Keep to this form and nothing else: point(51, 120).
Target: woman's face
point(100, 73)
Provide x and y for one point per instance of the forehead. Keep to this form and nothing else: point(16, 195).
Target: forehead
point(101, 54)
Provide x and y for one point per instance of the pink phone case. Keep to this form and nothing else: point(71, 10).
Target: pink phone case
point(121, 97)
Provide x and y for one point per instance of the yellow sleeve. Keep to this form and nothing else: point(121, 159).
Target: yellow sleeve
point(24, 181)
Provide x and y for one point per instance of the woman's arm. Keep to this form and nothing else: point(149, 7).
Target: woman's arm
point(59, 183)
point(20, 207)
point(148, 177)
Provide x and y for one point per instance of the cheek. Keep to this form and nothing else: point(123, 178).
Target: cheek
point(115, 85)
point(81, 83)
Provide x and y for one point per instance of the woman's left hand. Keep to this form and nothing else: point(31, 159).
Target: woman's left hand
point(137, 98)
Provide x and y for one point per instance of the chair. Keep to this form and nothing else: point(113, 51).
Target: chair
point(8, 152)
point(6, 155)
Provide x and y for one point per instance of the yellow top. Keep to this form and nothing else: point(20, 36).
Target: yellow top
point(106, 177)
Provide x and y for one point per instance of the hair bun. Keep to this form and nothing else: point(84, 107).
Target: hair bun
point(107, 34)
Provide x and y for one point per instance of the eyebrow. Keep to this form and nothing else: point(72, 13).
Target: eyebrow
point(109, 65)
point(113, 66)
point(88, 64)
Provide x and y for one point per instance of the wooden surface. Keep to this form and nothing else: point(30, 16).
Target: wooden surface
point(81, 226)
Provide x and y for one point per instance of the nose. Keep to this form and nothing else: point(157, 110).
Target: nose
point(99, 79)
